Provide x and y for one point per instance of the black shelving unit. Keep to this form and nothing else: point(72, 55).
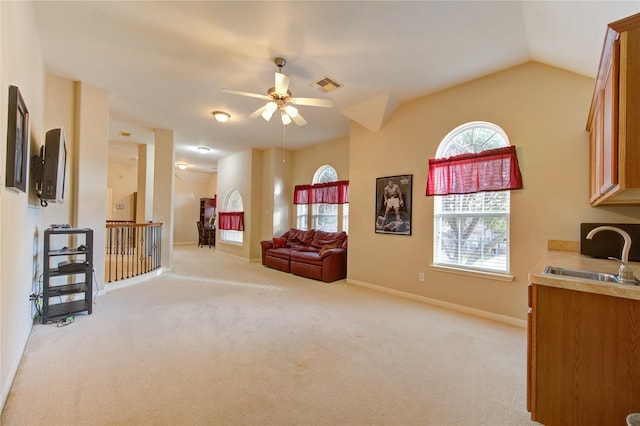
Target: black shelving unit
point(67, 274)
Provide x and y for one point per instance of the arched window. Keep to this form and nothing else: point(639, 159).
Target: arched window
point(324, 217)
point(233, 203)
point(471, 231)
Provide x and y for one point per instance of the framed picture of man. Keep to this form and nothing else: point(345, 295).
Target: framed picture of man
point(17, 142)
point(393, 204)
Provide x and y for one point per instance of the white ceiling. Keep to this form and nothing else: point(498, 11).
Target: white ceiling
point(165, 63)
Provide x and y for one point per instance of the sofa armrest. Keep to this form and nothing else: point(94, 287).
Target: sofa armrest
point(332, 252)
point(266, 245)
point(334, 264)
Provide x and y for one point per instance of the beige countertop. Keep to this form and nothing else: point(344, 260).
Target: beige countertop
point(578, 261)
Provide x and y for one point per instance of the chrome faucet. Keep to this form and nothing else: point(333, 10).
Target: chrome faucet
point(625, 273)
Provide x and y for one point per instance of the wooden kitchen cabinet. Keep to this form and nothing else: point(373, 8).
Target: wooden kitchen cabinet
point(613, 126)
point(583, 358)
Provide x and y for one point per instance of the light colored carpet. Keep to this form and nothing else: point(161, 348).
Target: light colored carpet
point(219, 341)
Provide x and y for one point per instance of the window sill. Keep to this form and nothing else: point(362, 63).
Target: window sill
point(481, 274)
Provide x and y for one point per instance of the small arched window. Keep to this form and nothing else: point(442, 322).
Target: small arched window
point(471, 231)
point(233, 203)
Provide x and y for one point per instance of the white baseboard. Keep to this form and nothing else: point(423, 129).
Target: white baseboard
point(454, 307)
point(13, 371)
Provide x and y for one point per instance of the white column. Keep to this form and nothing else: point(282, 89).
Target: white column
point(144, 206)
point(92, 132)
point(163, 191)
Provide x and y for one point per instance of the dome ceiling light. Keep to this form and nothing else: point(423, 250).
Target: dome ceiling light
point(221, 116)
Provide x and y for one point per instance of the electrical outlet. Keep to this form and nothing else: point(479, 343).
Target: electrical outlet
point(421, 276)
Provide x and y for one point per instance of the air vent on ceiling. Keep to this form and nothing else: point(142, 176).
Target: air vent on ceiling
point(326, 84)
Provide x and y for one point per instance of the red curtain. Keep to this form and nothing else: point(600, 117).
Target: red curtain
point(491, 170)
point(327, 193)
point(233, 221)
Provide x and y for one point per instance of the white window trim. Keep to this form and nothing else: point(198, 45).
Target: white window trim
point(473, 272)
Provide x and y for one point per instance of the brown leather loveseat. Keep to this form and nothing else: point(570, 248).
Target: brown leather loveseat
point(319, 255)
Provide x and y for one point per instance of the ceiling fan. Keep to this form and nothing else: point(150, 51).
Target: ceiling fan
point(279, 99)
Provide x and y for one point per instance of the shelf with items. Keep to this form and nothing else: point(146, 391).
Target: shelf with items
point(67, 273)
point(207, 210)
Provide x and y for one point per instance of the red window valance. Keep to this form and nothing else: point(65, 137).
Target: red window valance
point(327, 193)
point(491, 170)
point(233, 221)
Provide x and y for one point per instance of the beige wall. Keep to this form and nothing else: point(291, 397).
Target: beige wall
point(189, 187)
point(242, 172)
point(21, 65)
point(277, 192)
point(306, 161)
point(122, 179)
point(543, 111)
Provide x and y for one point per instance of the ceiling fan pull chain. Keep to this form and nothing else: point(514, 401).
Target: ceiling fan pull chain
point(284, 134)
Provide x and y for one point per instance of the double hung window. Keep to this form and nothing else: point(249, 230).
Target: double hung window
point(323, 216)
point(471, 230)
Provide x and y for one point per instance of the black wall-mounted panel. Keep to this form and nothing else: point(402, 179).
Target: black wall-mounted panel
point(609, 243)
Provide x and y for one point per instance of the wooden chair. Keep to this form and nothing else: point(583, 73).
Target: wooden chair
point(206, 235)
point(202, 237)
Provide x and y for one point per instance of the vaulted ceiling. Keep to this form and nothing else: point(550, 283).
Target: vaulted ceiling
point(164, 64)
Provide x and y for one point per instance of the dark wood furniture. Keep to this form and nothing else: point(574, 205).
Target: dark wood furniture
point(207, 210)
point(67, 273)
point(206, 235)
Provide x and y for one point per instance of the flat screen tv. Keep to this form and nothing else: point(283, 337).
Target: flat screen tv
point(54, 164)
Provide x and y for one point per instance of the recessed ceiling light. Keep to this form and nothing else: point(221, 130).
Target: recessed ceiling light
point(182, 166)
point(221, 116)
point(204, 149)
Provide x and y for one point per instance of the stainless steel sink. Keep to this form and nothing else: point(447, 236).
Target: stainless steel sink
point(586, 275)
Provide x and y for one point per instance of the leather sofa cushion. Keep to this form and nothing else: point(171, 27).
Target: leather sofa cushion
point(282, 253)
point(298, 237)
point(324, 238)
point(309, 257)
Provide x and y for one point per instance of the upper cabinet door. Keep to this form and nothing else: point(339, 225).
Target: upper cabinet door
point(613, 125)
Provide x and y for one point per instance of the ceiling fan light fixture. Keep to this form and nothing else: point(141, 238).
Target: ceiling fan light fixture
point(285, 118)
point(266, 114)
point(221, 116)
point(291, 110)
point(271, 106)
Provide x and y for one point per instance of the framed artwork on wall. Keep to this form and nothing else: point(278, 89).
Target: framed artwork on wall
point(17, 141)
point(393, 204)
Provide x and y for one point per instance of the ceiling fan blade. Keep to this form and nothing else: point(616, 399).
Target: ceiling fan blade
point(257, 112)
point(299, 120)
point(325, 103)
point(282, 84)
point(241, 93)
